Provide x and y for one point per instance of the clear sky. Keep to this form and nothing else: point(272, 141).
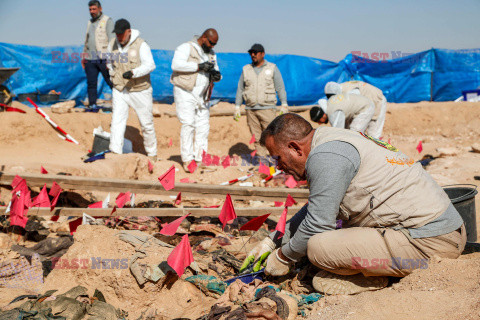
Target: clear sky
point(315, 28)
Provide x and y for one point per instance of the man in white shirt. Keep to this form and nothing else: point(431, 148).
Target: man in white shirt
point(130, 64)
point(195, 69)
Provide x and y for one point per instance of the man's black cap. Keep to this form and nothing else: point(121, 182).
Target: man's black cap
point(121, 26)
point(257, 47)
point(316, 114)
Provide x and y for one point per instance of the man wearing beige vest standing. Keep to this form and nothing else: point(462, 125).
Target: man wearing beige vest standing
point(195, 69)
point(375, 125)
point(258, 87)
point(99, 34)
point(395, 216)
point(130, 67)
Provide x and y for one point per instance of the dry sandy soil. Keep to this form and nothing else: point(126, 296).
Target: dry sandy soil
point(446, 289)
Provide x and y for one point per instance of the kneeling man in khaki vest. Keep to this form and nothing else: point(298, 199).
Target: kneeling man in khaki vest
point(395, 216)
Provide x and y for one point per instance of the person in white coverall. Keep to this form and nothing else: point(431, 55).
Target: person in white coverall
point(195, 69)
point(130, 65)
point(375, 125)
point(349, 110)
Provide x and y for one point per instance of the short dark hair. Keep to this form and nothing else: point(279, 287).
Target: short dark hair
point(288, 126)
point(94, 3)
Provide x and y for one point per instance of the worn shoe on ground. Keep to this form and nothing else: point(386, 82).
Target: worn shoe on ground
point(330, 283)
point(185, 167)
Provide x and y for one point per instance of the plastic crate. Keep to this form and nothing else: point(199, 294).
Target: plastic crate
point(471, 95)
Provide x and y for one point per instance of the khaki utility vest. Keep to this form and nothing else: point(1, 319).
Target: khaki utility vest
point(367, 90)
point(389, 189)
point(259, 89)
point(187, 80)
point(351, 104)
point(119, 68)
point(101, 37)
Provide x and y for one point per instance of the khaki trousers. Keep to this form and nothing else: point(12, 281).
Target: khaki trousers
point(257, 121)
point(380, 252)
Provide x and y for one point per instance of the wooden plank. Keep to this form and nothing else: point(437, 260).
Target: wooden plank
point(156, 212)
point(154, 187)
point(213, 113)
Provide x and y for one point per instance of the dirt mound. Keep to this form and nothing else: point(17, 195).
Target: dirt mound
point(81, 266)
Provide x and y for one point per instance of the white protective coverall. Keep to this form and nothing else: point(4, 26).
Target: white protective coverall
point(192, 109)
point(141, 102)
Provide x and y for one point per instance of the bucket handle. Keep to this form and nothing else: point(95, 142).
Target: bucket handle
point(462, 184)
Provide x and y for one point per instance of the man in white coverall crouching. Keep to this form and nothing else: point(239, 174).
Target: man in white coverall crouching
point(195, 69)
point(130, 65)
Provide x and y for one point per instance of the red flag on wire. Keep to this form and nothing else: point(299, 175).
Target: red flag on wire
point(150, 167)
point(42, 199)
point(290, 201)
point(291, 182)
point(98, 204)
point(55, 193)
point(178, 200)
point(74, 225)
point(282, 222)
point(278, 204)
point(419, 146)
point(255, 223)
point(122, 198)
point(168, 179)
point(42, 170)
point(171, 228)
point(264, 169)
point(181, 256)
point(192, 166)
point(252, 139)
point(228, 212)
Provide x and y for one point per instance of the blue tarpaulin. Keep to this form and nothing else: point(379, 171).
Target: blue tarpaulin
point(435, 74)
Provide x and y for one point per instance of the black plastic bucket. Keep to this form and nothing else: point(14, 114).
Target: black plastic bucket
point(463, 199)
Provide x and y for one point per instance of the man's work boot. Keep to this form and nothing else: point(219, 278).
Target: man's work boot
point(330, 283)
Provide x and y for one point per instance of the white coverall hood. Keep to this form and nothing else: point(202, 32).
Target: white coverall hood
point(333, 88)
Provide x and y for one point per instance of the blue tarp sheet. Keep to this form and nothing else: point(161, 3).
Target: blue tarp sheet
point(435, 74)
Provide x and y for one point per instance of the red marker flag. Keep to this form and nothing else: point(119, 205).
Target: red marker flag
point(55, 193)
point(168, 179)
point(42, 170)
point(122, 199)
point(419, 147)
point(171, 228)
point(291, 182)
point(42, 199)
point(18, 184)
point(18, 210)
point(282, 223)
point(74, 225)
point(252, 140)
point(226, 162)
point(98, 204)
point(278, 204)
point(228, 212)
point(192, 166)
point(290, 201)
point(254, 152)
point(170, 142)
point(264, 169)
point(255, 223)
point(181, 256)
point(150, 167)
point(178, 200)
